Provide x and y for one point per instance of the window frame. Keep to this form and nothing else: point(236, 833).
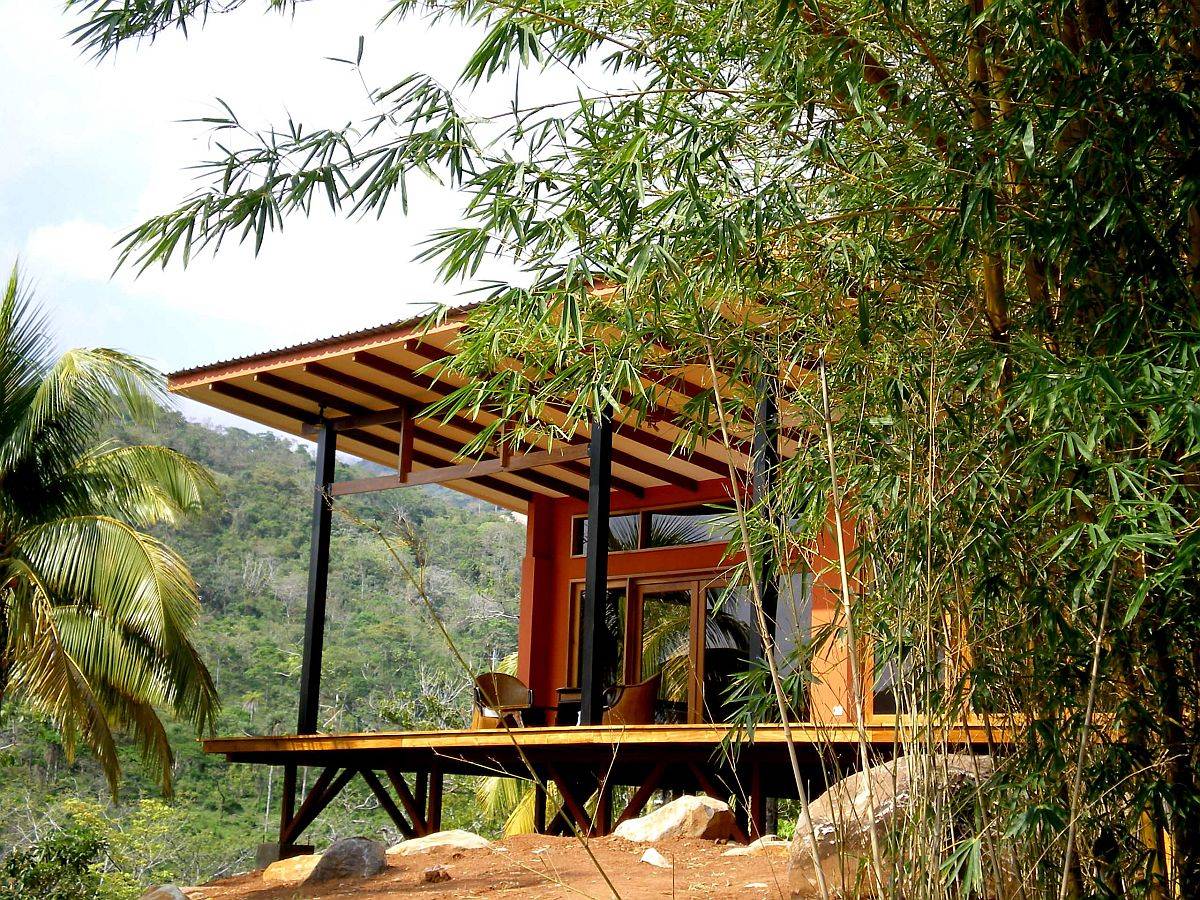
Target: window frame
point(644, 516)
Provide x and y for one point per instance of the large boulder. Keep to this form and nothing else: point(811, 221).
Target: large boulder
point(846, 814)
point(455, 839)
point(292, 870)
point(687, 817)
point(355, 857)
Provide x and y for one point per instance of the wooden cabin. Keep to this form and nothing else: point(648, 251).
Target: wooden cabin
point(668, 611)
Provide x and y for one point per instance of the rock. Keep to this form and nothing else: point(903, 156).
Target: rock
point(687, 817)
point(292, 870)
point(654, 858)
point(768, 843)
point(843, 817)
point(355, 857)
point(435, 875)
point(164, 892)
point(456, 839)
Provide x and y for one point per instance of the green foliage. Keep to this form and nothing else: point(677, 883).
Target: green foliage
point(63, 866)
point(96, 614)
point(383, 668)
point(140, 845)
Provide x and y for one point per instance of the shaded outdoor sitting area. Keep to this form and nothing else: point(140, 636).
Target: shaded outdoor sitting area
point(635, 620)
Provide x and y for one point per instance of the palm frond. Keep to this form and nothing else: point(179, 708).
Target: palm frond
point(24, 359)
point(146, 485)
point(135, 582)
point(96, 615)
point(49, 681)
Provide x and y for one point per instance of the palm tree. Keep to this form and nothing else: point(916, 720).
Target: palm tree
point(96, 615)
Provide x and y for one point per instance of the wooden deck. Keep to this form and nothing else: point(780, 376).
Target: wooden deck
point(581, 761)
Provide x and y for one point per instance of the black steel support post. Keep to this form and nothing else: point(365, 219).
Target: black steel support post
point(766, 468)
point(593, 637)
point(318, 580)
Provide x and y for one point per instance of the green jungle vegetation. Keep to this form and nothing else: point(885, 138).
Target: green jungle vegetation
point(384, 665)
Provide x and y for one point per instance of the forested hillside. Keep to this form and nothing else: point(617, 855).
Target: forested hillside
point(385, 665)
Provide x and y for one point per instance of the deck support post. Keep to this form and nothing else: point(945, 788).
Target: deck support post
point(287, 807)
point(602, 820)
point(757, 819)
point(433, 808)
point(766, 468)
point(318, 581)
point(593, 638)
point(539, 807)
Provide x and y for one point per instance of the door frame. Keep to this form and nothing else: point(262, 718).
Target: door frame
point(695, 581)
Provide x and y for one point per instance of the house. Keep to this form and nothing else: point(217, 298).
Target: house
point(669, 612)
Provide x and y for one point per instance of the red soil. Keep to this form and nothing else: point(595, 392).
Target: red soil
point(536, 866)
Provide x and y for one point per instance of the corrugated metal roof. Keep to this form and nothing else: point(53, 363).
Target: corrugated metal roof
point(318, 343)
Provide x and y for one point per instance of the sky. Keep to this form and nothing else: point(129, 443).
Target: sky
point(90, 149)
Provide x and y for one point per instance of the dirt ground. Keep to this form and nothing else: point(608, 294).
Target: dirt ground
point(536, 866)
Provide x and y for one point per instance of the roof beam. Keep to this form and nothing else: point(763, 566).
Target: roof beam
point(654, 442)
point(441, 389)
point(262, 401)
point(433, 462)
point(656, 413)
point(466, 471)
point(234, 392)
point(329, 401)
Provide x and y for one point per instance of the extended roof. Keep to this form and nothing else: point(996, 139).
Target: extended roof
point(361, 378)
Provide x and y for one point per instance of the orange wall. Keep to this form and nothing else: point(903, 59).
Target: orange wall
point(549, 569)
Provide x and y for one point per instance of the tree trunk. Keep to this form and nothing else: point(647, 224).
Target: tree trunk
point(1184, 812)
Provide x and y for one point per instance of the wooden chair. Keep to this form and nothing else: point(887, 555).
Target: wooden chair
point(632, 704)
point(499, 698)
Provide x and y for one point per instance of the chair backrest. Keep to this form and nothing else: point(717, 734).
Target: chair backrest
point(635, 705)
point(500, 691)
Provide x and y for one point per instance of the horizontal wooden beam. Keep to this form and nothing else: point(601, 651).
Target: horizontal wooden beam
point(465, 471)
point(430, 461)
point(244, 395)
point(361, 417)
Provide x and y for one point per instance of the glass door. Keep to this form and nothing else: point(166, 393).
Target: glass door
point(660, 643)
point(728, 631)
point(611, 643)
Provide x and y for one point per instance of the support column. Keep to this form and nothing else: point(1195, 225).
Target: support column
point(318, 580)
point(593, 637)
point(765, 451)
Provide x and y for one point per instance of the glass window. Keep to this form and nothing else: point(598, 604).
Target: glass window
point(890, 671)
point(704, 524)
point(622, 534)
point(610, 644)
point(903, 678)
point(731, 637)
point(793, 619)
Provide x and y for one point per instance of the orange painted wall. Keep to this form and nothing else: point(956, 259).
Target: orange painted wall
point(548, 571)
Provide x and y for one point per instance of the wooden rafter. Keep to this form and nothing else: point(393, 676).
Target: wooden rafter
point(434, 439)
point(442, 390)
point(655, 413)
point(465, 471)
point(627, 431)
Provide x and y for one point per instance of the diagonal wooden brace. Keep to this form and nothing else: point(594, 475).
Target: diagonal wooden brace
point(388, 804)
point(411, 805)
point(327, 786)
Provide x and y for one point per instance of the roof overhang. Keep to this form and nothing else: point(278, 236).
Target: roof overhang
point(371, 385)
